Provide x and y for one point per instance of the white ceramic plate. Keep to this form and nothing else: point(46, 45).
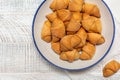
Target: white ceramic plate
point(45, 49)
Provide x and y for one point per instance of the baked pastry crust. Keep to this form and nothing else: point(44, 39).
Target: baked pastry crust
point(88, 51)
point(111, 68)
point(95, 38)
point(69, 55)
point(46, 31)
point(91, 9)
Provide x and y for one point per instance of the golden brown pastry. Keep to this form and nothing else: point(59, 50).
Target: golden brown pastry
point(58, 29)
point(69, 42)
point(83, 36)
point(64, 14)
point(111, 68)
point(91, 24)
point(77, 16)
point(95, 38)
point(75, 5)
point(52, 16)
point(46, 31)
point(88, 51)
point(70, 55)
point(91, 9)
point(73, 25)
point(59, 4)
point(56, 47)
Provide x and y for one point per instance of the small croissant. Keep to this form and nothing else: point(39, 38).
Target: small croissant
point(91, 9)
point(111, 68)
point(46, 31)
point(70, 55)
point(73, 26)
point(64, 14)
point(88, 51)
point(91, 24)
point(57, 30)
point(83, 36)
point(56, 47)
point(75, 5)
point(69, 42)
point(52, 16)
point(95, 38)
point(59, 4)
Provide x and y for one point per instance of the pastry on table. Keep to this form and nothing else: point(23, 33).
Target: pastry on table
point(69, 42)
point(70, 55)
point(91, 9)
point(52, 16)
point(56, 47)
point(88, 51)
point(57, 29)
point(95, 38)
point(46, 31)
point(111, 68)
point(91, 23)
point(75, 5)
point(83, 36)
point(59, 4)
point(64, 14)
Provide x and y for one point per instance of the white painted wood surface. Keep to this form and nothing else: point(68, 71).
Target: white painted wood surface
point(19, 59)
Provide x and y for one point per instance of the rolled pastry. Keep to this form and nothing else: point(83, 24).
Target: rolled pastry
point(70, 55)
point(111, 68)
point(75, 5)
point(76, 16)
point(91, 24)
point(57, 29)
point(88, 51)
point(59, 4)
point(52, 16)
point(64, 14)
point(91, 9)
point(95, 38)
point(69, 42)
point(83, 36)
point(46, 31)
point(73, 25)
point(56, 47)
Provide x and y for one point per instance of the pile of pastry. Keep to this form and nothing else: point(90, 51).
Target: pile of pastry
point(74, 29)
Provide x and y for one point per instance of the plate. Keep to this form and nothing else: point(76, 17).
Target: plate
point(47, 53)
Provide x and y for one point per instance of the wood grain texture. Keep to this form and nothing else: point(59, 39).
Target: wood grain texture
point(19, 60)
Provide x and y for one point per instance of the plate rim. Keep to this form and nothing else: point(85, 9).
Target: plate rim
point(35, 44)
